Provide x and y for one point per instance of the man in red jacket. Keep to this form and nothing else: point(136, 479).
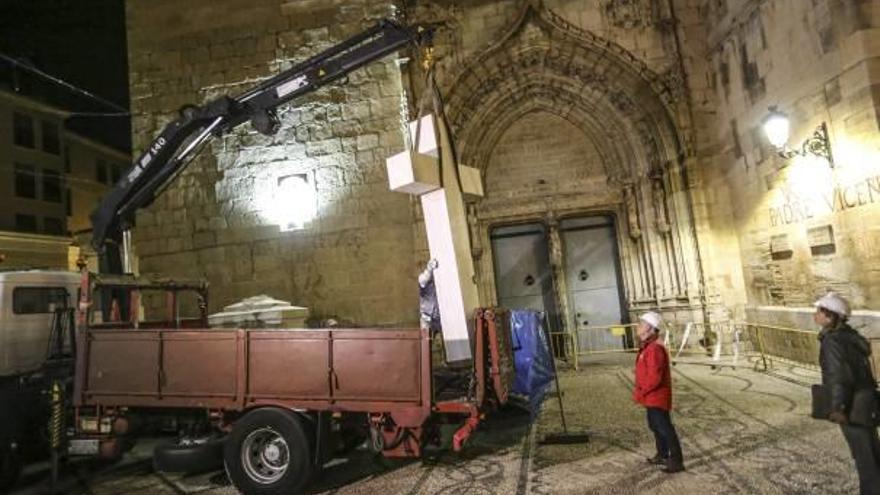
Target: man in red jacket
point(654, 391)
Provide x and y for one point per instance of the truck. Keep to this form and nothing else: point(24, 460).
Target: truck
point(274, 404)
point(270, 405)
point(32, 303)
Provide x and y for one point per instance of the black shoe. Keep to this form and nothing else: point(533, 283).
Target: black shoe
point(658, 459)
point(673, 466)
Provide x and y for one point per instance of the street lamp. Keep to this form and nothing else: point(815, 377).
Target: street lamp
point(776, 128)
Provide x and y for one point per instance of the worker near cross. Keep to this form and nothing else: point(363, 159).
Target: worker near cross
point(429, 310)
point(429, 313)
point(653, 389)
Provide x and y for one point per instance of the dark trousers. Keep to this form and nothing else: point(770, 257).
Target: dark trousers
point(665, 436)
point(864, 445)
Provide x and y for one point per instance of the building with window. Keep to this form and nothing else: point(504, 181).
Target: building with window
point(91, 169)
point(50, 180)
point(32, 195)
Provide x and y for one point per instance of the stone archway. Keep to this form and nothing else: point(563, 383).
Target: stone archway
point(543, 64)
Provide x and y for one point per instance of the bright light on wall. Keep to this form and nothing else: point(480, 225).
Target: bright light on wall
point(294, 202)
point(777, 128)
point(810, 177)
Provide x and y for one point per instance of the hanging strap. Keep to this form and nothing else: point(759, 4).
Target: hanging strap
point(437, 100)
point(431, 96)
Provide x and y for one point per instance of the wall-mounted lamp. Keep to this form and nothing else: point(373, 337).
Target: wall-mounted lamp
point(776, 127)
point(294, 203)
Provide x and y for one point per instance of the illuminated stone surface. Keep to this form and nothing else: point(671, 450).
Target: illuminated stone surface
point(566, 107)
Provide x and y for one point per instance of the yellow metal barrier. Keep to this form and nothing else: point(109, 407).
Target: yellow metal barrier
point(605, 339)
point(722, 344)
point(597, 340)
point(788, 345)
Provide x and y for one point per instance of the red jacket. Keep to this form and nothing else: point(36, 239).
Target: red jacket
point(653, 379)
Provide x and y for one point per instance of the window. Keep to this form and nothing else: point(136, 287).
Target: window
point(25, 223)
point(69, 202)
point(53, 226)
point(101, 171)
point(114, 173)
point(51, 143)
point(51, 185)
point(23, 130)
point(36, 300)
point(25, 181)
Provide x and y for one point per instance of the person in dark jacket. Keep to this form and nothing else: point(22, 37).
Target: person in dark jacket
point(429, 310)
point(429, 313)
point(843, 357)
point(653, 389)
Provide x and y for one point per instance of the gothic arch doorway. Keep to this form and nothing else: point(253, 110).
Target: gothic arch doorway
point(624, 153)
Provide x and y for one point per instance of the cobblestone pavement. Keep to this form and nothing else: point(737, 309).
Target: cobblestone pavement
point(743, 432)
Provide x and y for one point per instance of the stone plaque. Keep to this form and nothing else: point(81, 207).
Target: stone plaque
point(780, 244)
point(821, 240)
point(820, 236)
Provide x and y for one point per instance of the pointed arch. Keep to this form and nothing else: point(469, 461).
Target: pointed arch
point(544, 63)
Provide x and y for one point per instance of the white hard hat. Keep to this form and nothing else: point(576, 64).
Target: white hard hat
point(652, 318)
point(835, 303)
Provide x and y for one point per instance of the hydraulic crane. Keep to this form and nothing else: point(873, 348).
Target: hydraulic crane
point(180, 140)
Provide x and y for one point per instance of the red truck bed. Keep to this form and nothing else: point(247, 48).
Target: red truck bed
point(368, 370)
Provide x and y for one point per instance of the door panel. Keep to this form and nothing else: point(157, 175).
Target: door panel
point(522, 268)
point(590, 259)
point(592, 279)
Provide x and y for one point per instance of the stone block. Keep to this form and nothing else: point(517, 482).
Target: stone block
point(204, 239)
point(367, 141)
point(471, 182)
point(413, 173)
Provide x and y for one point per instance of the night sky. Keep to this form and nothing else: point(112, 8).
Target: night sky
point(80, 41)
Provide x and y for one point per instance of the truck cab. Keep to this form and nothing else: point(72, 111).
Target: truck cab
point(28, 300)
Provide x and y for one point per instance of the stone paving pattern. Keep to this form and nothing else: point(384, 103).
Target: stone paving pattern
point(743, 432)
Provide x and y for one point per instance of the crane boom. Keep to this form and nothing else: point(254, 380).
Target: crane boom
point(180, 140)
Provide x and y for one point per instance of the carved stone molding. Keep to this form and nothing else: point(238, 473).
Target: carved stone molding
point(628, 14)
point(544, 63)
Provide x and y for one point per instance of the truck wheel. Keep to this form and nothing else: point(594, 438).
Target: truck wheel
point(190, 459)
point(10, 466)
point(268, 453)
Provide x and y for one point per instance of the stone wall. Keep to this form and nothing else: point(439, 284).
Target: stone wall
point(646, 109)
point(354, 261)
point(543, 156)
point(611, 70)
point(803, 226)
point(604, 77)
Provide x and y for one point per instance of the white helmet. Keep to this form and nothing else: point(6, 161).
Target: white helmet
point(652, 318)
point(833, 302)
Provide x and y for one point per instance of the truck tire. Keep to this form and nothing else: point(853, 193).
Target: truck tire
point(190, 459)
point(10, 466)
point(268, 453)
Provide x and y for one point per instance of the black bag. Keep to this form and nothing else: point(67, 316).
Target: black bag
point(821, 401)
point(864, 409)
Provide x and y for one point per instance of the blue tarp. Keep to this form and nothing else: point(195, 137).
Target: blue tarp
point(531, 357)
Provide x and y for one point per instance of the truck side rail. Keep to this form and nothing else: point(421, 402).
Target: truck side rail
point(365, 370)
